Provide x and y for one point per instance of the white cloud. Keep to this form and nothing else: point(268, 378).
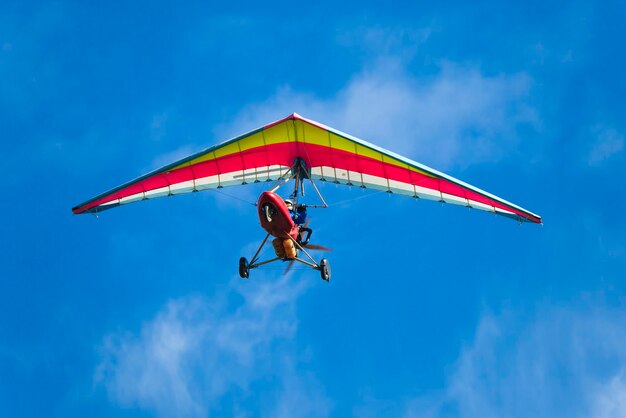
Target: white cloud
point(196, 356)
point(610, 398)
point(300, 396)
point(456, 117)
point(564, 363)
point(608, 142)
point(170, 157)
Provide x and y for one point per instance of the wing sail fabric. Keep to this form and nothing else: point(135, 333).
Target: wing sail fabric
point(246, 159)
point(266, 153)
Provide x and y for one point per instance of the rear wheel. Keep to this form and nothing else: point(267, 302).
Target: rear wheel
point(325, 269)
point(244, 268)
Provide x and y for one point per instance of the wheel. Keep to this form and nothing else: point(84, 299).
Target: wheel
point(325, 269)
point(244, 269)
point(269, 211)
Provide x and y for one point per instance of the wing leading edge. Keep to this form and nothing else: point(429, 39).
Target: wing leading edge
point(265, 154)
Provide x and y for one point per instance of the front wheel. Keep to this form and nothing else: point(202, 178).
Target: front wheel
point(325, 269)
point(244, 268)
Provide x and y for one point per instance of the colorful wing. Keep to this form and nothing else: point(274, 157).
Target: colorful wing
point(268, 152)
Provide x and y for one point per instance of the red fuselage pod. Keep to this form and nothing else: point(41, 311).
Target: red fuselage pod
point(274, 216)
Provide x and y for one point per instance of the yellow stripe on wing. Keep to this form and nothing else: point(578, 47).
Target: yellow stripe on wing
point(252, 141)
point(312, 134)
point(288, 131)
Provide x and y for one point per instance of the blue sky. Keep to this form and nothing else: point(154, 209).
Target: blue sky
point(432, 311)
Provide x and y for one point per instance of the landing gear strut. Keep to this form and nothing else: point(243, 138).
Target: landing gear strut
point(245, 266)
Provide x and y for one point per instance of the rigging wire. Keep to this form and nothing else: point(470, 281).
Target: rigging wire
point(233, 197)
point(340, 202)
point(376, 193)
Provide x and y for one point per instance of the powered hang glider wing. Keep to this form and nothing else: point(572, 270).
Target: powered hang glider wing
point(268, 153)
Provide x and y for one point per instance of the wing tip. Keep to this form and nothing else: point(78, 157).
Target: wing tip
point(536, 219)
point(82, 209)
point(78, 210)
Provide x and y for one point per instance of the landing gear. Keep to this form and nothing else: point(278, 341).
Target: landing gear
point(325, 269)
point(244, 268)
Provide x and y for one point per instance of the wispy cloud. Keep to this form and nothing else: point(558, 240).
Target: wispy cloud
point(170, 157)
point(196, 353)
point(566, 362)
point(607, 143)
point(609, 399)
point(400, 41)
point(459, 116)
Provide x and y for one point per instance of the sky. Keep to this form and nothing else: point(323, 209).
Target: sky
point(432, 310)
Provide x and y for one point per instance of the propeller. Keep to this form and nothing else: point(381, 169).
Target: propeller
point(317, 247)
point(288, 267)
point(308, 247)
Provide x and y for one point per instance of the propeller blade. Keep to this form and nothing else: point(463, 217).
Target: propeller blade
point(288, 267)
point(317, 247)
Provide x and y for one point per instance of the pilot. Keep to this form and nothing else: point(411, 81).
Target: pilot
point(298, 213)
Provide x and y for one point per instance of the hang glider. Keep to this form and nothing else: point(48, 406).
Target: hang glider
point(268, 153)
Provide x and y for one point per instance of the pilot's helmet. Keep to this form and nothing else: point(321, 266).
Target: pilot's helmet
point(289, 204)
